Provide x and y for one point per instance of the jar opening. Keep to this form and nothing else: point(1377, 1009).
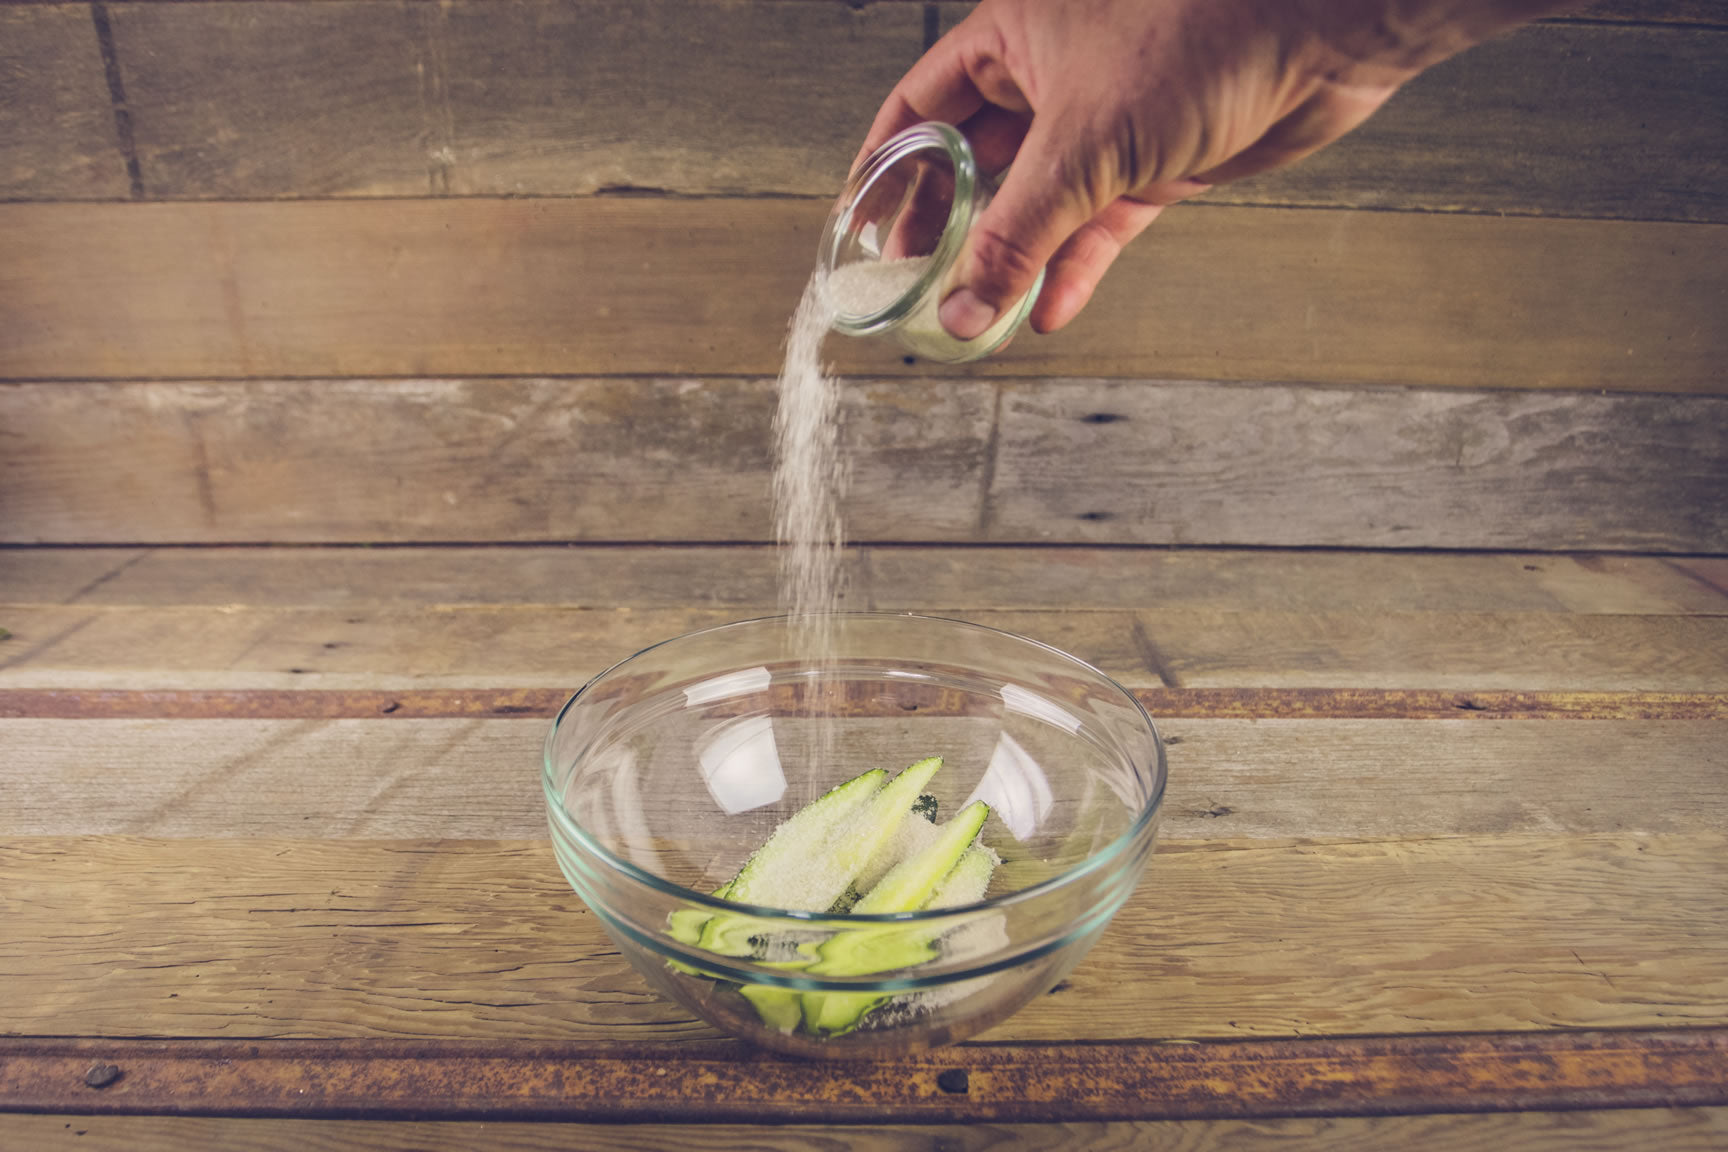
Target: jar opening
point(898, 227)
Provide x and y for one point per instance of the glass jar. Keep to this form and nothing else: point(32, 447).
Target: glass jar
point(894, 240)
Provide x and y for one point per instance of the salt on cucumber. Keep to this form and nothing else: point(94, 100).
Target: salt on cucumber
point(910, 885)
point(856, 836)
point(790, 871)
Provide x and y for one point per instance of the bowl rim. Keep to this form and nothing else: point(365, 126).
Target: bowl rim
point(1129, 836)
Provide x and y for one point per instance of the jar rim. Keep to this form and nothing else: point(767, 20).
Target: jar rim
point(930, 136)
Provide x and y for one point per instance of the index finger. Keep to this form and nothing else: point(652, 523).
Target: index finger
point(937, 87)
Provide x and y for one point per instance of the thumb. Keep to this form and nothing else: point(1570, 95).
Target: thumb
point(1037, 208)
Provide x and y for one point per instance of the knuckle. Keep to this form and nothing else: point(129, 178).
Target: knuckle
point(1002, 263)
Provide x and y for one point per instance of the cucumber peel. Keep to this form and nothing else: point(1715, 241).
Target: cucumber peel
point(869, 834)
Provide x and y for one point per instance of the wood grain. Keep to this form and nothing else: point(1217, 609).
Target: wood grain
point(232, 647)
point(112, 936)
point(1175, 465)
point(314, 99)
point(487, 459)
point(743, 577)
point(241, 100)
point(681, 287)
point(474, 778)
point(932, 460)
point(57, 137)
point(1039, 1083)
point(1672, 1130)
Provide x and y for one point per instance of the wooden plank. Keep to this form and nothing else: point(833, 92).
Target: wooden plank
point(474, 777)
point(242, 100)
point(258, 938)
point(1671, 1129)
point(1092, 461)
point(884, 578)
point(1030, 1083)
point(57, 135)
point(343, 98)
point(1467, 651)
point(575, 97)
point(1193, 464)
point(378, 648)
point(213, 86)
point(483, 459)
point(681, 287)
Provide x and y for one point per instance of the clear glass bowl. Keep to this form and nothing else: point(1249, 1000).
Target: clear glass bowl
point(664, 773)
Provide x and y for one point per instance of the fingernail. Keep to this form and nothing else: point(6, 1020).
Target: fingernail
point(964, 315)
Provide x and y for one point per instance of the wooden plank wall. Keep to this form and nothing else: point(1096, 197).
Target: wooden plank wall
point(516, 270)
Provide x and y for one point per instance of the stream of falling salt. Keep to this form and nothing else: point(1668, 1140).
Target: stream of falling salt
point(809, 484)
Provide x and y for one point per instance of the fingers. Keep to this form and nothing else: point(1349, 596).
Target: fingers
point(1074, 272)
point(1038, 207)
point(938, 87)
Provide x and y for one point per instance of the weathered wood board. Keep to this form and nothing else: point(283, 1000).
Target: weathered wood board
point(274, 938)
point(366, 648)
point(931, 460)
point(355, 98)
point(647, 286)
point(347, 97)
point(57, 130)
point(1266, 779)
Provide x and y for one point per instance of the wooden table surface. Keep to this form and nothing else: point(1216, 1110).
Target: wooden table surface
point(1445, 836)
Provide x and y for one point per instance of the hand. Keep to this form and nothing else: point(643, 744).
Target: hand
point(1111, 110)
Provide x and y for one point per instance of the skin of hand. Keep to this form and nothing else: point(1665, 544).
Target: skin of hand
point(1111, 110)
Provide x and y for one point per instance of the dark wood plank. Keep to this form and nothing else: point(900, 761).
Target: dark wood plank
point(1671, 1129)
point(608, 285)
point(573, 96)
point(356, 98)
point(636, 460)
point(316, 99)
point(57, 134)
point(1181, 464)
point(1032, 1083)
point(259, 938)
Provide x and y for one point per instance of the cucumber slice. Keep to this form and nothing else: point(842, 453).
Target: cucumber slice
point(862, 841)
point(969, 880)
point(792, 870)
point(908, 886)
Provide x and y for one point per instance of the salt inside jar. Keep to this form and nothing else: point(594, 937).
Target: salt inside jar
point(894, 239)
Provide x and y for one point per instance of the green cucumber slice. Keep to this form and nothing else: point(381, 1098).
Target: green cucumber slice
point(908, 886)
point(969, 880)
point(791, 870)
